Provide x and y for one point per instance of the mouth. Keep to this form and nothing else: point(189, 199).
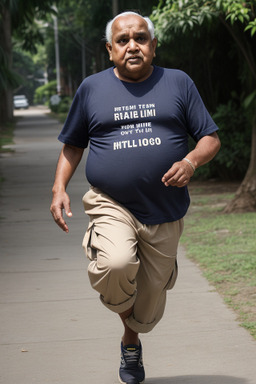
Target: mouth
point(134, 59)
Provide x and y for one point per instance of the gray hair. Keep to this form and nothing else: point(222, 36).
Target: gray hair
point(108, 32)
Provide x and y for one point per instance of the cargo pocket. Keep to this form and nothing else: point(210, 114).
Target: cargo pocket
point(90, 251)
point(173, 277)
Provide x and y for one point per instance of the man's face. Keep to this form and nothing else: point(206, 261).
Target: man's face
point(132, 49)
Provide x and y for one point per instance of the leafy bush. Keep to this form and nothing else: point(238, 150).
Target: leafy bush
point(43, 96)
point(235, 136)
point(43, 93)
point(63, 106)
point(232, 161)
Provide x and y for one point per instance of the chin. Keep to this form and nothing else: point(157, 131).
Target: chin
point(134, 72)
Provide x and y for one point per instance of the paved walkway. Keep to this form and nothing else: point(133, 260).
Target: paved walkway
point(53, 328)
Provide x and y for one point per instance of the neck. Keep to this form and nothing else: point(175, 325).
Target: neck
point(134, 78)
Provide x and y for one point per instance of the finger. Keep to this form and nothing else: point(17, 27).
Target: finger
point(172, 172)
point(172, 178)
point(62, 224)
point(58, 218)
point(68, 210)
point(178, 180)
point(66, 205)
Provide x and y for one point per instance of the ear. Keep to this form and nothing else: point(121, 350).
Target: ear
point(109, 49)
point(154, 45)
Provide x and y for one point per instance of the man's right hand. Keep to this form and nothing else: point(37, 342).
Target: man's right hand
point(60, 202)
point(69, 159)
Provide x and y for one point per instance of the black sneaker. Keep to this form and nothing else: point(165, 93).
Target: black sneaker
point(131, 369)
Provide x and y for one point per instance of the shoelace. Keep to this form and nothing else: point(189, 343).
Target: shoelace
point(131, 358)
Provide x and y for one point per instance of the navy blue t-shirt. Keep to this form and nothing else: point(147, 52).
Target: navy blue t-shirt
point(136, 132)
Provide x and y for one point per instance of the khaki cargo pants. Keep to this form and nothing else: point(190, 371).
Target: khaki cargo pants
point(132, 264)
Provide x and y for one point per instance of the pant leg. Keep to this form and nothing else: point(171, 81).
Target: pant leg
point(157, 251)
point(111, 244)
point(131, 264)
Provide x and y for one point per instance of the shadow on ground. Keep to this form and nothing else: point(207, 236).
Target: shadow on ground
point(194, 379)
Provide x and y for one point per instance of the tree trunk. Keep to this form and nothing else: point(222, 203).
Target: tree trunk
point(245, 197)
point(6, 110)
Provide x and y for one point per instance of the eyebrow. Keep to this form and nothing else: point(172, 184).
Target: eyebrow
point(124, 34)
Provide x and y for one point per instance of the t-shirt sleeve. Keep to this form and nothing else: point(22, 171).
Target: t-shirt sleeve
point(75, 131)
point(198, 118)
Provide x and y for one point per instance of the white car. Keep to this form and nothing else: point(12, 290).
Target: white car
point(20, 101)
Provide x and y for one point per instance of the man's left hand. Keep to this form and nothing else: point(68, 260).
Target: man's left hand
point(178, 175)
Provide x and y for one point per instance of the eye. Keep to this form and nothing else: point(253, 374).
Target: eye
point(122, 41)
point(141, 39)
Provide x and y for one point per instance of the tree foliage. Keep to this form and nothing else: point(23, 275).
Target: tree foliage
point(184, 15)
point(17, 19)
point(174, 17)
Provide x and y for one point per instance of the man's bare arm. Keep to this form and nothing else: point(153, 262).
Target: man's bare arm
point(69, 159)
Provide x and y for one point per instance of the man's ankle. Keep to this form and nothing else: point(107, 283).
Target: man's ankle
point(126, 340)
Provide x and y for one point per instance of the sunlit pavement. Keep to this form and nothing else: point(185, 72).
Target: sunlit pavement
point(31, 111)
point(53, 328)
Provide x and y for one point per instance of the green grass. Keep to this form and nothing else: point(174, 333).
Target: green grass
point(224, 247)
point(6, 136)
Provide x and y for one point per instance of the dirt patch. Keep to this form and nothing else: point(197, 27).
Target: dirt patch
point(212, 187)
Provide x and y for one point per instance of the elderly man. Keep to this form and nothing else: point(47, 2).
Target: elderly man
point(137, 118)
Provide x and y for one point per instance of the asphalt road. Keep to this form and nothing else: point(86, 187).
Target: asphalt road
point(53, 329)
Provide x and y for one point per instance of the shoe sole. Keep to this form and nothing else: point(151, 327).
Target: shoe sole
point(123, 382)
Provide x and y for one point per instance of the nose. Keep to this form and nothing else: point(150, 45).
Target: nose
point(132, 46)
